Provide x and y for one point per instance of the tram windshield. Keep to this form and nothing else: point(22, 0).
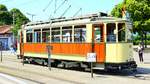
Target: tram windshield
point(121, 32)
point(111, 37)
point(114, 35)
point(129, 35)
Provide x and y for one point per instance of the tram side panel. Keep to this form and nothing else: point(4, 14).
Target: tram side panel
point(62, 51)
point(120, 56)
point(65, 51)
point(99, 49)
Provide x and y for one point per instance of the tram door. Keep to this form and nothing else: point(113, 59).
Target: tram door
point(98, 43)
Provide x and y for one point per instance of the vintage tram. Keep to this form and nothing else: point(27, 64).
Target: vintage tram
point(72, 38)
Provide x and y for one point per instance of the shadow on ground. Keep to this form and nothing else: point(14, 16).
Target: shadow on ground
point(141, 73)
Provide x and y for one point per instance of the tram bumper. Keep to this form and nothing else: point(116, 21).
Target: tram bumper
point(121, 66)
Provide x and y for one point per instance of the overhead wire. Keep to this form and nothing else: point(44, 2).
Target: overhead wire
point(57, 8)
point(65, 11)
point(80, 10)
point(47, 5)
point(55, 4)
point(60, 6)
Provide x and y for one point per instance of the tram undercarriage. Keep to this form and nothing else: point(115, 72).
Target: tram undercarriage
point(82, 65)
point(121, 66)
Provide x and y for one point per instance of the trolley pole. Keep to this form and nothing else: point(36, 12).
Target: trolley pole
point(49, 56)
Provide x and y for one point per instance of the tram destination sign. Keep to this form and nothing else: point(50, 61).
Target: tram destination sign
point(91, 57)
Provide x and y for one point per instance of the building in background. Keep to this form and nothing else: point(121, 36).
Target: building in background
point(6, 37)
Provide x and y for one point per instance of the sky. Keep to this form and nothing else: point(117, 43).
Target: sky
point(45, 9)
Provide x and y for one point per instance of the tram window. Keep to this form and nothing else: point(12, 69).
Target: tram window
point(45, 35)
point(111, 37)
point(55, 35)
point(98, 34)
point(67, 34)
point(37, 36)
point(29, 37)
point(80, 34)
point(121, 32)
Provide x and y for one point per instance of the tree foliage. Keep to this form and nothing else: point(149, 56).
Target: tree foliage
point(18, 16)
point(13, 17)
point(139, 11)
point(3, 7)
point(117, 10)
point(19, 19)
point(140, 14)
point(5, 16)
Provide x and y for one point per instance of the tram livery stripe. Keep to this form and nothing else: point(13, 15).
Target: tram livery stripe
point(75, 50)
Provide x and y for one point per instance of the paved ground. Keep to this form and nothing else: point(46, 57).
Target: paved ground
point(7, 79)
point(40, 74)
point(146, 55)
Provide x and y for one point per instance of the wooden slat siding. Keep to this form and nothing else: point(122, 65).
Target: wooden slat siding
point(59, 48)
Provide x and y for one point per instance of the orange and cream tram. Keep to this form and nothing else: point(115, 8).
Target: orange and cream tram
point(71, 39)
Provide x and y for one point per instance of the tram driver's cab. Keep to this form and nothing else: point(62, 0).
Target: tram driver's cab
point(119, 47)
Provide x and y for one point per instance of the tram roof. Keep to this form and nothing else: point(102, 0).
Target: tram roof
point(92, 18)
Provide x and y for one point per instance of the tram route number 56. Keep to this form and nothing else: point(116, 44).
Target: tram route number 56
point(91, 57)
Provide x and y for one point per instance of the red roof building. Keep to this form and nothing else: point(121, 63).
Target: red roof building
point(6, 29)
point(6, 37)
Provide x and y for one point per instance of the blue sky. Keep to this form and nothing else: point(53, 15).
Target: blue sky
point(37, 6)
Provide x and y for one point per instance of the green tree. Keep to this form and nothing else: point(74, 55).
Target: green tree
point(5, 16)
point(15, 17)
point(18, 20)
point(18, 16)
point(117, 10)
point(3, 7)
point(140, 15)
